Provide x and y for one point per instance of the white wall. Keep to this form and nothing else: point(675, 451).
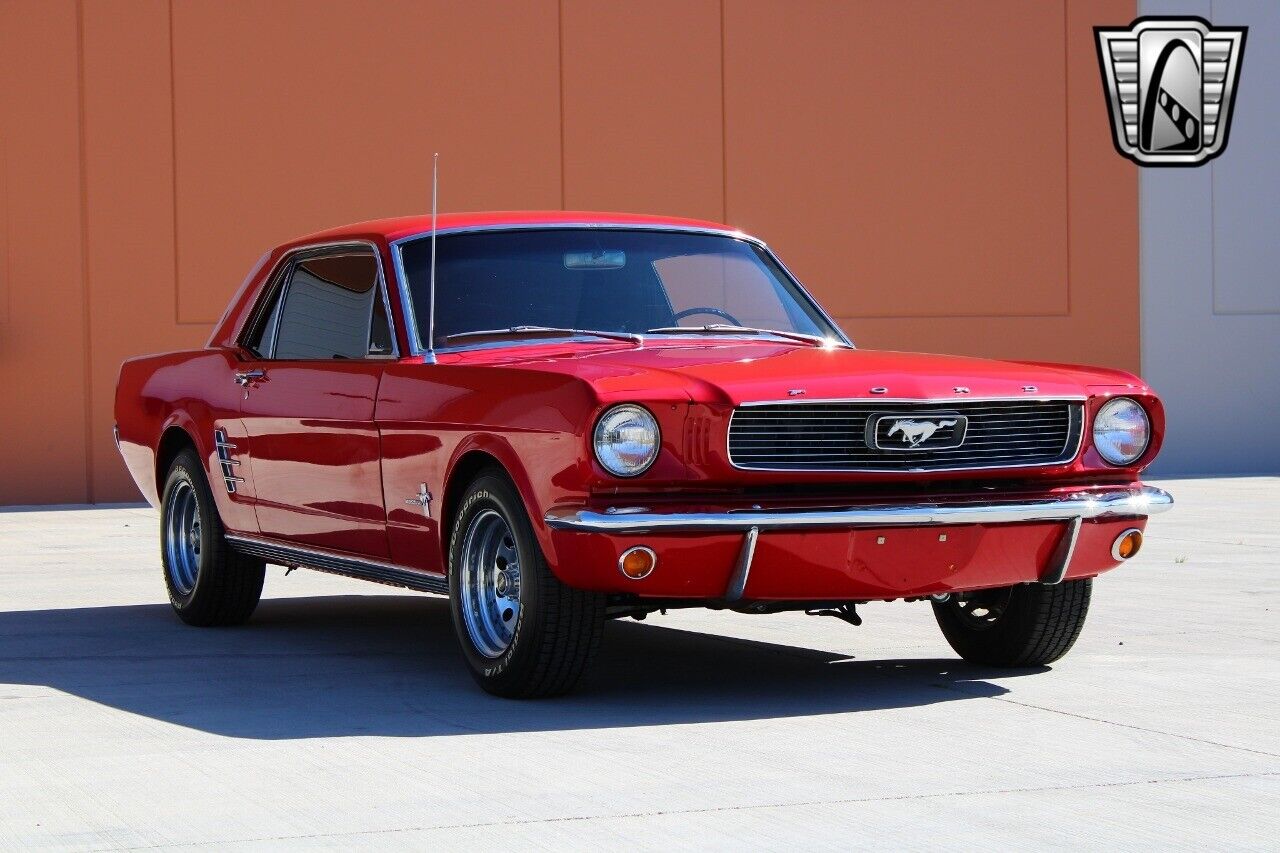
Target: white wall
point(1210, 271)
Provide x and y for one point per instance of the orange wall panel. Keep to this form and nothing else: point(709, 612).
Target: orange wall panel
point(905, 158)
point(4, 234)
point(642, 117)
point(43, 454)
point(1101, 326)
point(1104, 214)
point(292, 116)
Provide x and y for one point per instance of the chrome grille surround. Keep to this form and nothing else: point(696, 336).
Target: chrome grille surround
point(831, 435)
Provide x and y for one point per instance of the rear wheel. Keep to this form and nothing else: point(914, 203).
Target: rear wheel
point(1025, 625)
point(523, 633)
point(208, 582)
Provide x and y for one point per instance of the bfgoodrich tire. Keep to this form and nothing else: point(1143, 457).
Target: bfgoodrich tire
point(1025, 625)
point(523, 633)
point(209, 583)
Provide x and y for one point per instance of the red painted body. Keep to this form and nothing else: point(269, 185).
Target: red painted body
point(329, 451)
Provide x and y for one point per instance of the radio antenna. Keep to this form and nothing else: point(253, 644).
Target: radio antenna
point(435, 190)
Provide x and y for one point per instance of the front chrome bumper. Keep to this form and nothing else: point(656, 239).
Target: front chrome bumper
point(1139, 501)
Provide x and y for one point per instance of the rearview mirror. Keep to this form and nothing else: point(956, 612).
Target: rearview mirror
point(599, 260)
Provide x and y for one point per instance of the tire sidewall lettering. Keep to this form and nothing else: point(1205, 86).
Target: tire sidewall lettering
point(180, 472)
point(490, 668)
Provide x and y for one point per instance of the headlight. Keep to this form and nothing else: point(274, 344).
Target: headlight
point(1121, 431)
point(627, 440)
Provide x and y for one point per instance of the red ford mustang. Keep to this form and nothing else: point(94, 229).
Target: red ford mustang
point(556, 419)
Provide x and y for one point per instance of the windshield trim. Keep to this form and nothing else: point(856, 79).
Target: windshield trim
point(428, 352)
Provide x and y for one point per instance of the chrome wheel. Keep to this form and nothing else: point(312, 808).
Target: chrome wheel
point(182, 537)
point(489, 583)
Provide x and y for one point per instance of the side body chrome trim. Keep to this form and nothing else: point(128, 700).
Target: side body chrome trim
point(324, 561)
point(1133, 502)
point(418, 348)
point(223, 448)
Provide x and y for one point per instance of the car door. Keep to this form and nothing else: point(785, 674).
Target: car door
point(320, 342)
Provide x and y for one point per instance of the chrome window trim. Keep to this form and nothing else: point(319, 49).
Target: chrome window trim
point(282, 269)
point(406, 299)
point(429, 352)
point(266, 297)
point(712, 339)
point(1066, 460)
point(523, 342)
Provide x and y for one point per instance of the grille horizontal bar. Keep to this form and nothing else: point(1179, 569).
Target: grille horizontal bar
point(950, 435)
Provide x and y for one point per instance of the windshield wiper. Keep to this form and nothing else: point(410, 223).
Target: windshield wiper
point(523, 331)
point(726, 328)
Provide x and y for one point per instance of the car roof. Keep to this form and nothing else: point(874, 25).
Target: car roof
point(407, 226)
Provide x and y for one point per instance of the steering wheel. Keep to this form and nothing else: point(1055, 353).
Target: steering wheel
point(706, 309)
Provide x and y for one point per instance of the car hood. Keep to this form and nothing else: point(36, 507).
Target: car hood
point(753, 371)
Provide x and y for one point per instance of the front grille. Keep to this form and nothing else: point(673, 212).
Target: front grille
point(867, 435)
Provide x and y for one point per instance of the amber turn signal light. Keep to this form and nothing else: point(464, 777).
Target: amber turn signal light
point(637, 562)
point(1127, 544)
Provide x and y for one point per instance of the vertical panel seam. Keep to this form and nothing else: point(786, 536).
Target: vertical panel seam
point(1142, 311)
point(87, 338)
point(1066, 148)
point(560, 69)
point(173, 167)
point(1142, 290)
point(1142, 299)
point(5, 309)
point(724, 127)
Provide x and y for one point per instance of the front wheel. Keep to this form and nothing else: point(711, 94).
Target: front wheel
point(523, 633)
point(1026, 625)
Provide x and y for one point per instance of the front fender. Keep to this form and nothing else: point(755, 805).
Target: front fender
point(499, 449)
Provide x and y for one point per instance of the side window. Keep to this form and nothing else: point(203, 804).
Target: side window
point(331, 308)
point(380, 329)
point(262, 341)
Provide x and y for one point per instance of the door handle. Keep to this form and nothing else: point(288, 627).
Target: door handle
point(245, 378)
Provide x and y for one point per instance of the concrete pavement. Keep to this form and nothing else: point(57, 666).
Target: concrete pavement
point(342, 718)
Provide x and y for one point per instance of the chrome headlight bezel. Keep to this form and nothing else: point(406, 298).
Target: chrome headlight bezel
point(605, 436)
point(1104, 422)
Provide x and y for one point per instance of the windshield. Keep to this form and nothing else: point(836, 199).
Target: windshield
point(620, 281)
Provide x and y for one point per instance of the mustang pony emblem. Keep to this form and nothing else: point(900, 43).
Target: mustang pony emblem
point(917, 432)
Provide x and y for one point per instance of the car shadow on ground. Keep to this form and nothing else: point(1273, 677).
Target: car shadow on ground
point(388, 665)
